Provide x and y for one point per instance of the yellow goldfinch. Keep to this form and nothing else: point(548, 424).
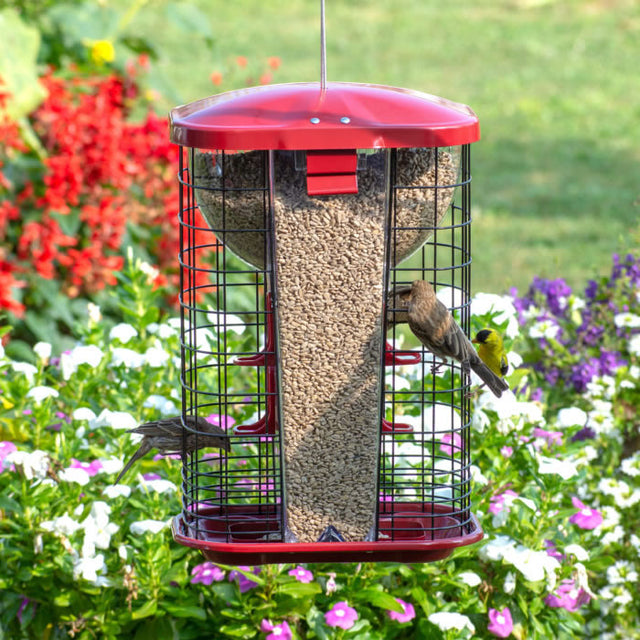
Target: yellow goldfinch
point(434, 326)
point(491, 351)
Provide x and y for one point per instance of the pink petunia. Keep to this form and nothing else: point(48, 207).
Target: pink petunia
point(301, 574)
point(341, 615)
point(446, 443)
point(92, 468)
point(276, 631)
point(500, 622)
point(585, 518)
point(567, 596)
point(552, 437)
point(206, 573)
point(6, 448)
point(225, 422)
point(506, 451)
point(408, 613)
point(502, 501)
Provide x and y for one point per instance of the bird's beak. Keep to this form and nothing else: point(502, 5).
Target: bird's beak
point(475, 341)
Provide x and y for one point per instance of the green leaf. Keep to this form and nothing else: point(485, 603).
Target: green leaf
point(316, 622)
point(146, 610)
point(238, 631)
point(190, 19)
point(379, 599)
point(299, 589)
point(185, 611)
point(19, 46)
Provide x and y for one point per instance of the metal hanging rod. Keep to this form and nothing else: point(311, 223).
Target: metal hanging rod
point(323, 50)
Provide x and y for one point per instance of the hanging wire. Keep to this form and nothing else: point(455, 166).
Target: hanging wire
point(323, 50)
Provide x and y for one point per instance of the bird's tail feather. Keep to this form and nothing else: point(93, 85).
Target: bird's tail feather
point(145, 447)
point(496, 384)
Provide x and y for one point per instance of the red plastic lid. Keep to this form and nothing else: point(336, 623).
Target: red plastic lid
point(301, 116)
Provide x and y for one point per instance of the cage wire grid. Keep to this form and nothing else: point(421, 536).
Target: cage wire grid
point(423, 475)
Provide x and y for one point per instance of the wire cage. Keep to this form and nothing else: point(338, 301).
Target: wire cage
point(303, 210)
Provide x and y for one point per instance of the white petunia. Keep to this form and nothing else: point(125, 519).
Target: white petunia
point(631, 465)
point(501, 307)
point(26, 368)
point(166, 330)
point(477, 475)
point(533, 565)
point(42, 350)
point(156, 356)
point(128, 357)
point(110, 465)
point(162, 404)
point(34, 464)
point(547, 329)
point(509, 583)
point(470, 578)
point(446, 620)
point(83, 413)
point(450, 297)
point(82, 354)
point(41, 393)
point(570, 417)
point(89, 568)
point(75, 474)
point(622, 571)
point(122, 332)
point(634, 345)
point(496, 548)
point(114, 491)
point(228, 321)
point(576, 550)
point(98, 529)
point(94, 313)
point(512, 414)
point(147, 526)
point(611, 537)
point(397, 382)
point(159, 486)
point(626, 319)
point(564, 468)
point(115, 420)
point(62, 525)
point(514, 359)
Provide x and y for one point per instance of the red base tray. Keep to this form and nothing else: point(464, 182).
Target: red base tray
point(418, 537)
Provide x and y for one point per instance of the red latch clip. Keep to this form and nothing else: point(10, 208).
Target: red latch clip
point(332, 171)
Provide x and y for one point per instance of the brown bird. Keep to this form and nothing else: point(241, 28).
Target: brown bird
point(398, 305)
point(432, 323)
point(166, 436)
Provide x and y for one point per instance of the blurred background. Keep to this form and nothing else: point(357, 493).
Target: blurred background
point(556, 174)
point(557, 171)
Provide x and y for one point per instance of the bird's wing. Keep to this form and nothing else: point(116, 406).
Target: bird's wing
point(168, 426)
point(495, 383)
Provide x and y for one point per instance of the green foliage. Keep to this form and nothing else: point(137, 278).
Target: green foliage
point(96, 572)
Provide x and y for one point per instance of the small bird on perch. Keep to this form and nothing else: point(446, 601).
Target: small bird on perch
point(432, 323)
point(491, 351)
point(166, 436)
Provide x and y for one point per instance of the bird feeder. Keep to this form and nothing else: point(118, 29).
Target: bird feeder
point(302, 207)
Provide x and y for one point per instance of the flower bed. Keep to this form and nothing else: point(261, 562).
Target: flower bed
point(556, 486)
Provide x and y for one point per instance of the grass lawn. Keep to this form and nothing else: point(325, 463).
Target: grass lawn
point(555, 84)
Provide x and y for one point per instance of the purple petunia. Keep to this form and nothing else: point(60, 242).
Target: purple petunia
point(500, 622)
point(243, 582)
point(408, 612)
point(341, 615)
point(585, 518)
point(301, 574)
point(280, 631)
point(206, 573)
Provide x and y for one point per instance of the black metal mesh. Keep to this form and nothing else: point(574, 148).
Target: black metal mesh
point(237, 496)
point(424, 478)
point(424, 474)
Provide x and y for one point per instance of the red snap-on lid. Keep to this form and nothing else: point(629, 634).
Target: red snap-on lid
point(302, 116)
